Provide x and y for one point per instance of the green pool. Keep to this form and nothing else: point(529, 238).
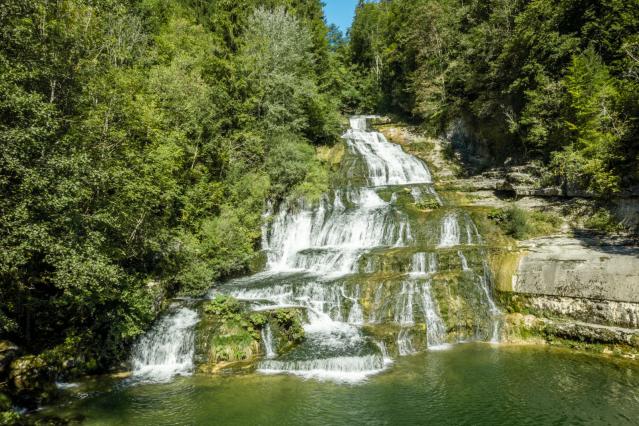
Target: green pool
point(467, 384)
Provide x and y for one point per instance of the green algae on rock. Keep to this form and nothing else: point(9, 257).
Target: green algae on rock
point(230, 335)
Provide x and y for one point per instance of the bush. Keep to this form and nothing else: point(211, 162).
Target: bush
point(521, 224)
point(603, 220)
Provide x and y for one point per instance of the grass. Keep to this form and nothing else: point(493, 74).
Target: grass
point(521, 224)
point(603, 220)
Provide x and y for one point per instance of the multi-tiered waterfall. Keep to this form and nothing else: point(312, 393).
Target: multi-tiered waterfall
point(378, 275)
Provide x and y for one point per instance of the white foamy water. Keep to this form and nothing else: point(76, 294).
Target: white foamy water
point(267, 340)
point(387, 163)
point(311, 246)
point(167, 349)
point(449, 231)
point(423, 263)
point(462, 259)
point(329, 238)
point(341, 369)
point(312, 250)
point(435, 328)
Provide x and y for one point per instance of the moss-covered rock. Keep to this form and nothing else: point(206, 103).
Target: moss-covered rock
point(5, 402)
point(230, 335)
point(8, 352)
point(528, 329)
point(30, 373)
point(31, 381)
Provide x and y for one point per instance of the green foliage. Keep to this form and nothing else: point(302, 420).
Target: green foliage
point(603, 220)
point(521, 224)
point(545, 80)
point(597, 129)
point(428, 203)
point(288, 321)
point(139, 142)
point(223, 306)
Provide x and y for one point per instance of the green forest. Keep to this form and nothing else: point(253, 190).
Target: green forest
point(140, 141)
point(553, 81)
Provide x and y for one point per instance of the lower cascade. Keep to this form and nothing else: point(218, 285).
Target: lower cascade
point(376, 275)
point(167, 350)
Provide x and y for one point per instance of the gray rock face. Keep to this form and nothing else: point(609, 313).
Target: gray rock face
point(563, 266)
point(580, 279)
point(607, 312)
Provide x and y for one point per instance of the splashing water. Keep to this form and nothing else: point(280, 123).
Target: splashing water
point(449, 231)
point(269, 344)
point(167, 349)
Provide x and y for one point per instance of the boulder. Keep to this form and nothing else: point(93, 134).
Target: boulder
point(229, 334)
point(30, 375)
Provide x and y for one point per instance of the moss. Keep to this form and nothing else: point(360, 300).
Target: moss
point(427, 203)
point(331, 155)
point(289, 325)
point(230, 334)
point(504, 265)
point(520, 328)
point(257, 262)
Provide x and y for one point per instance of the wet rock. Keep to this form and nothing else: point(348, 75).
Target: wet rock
point(258, 262)
point(527, 328)
point(230, 335)
point(31, 375)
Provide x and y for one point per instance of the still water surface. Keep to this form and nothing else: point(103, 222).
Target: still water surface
point(469, 384)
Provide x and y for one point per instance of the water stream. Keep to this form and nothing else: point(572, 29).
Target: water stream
point(167, 349)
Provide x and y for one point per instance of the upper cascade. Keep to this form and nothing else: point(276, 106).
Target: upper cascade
point(329, 238)
point(387, 163)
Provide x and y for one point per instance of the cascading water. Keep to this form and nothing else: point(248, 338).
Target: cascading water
point(267, 339)
point(449, 231)
point(359, 259)
point(167, 349)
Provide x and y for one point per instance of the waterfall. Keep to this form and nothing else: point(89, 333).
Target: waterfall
point(382, 348)
point(420, 265)
point(464, 262)
point(404, 310)
point(315, 252)
point(167, 349)
point(267, 339)
point(343, 368)
point(449, 231)
point(329, 239)
point(405, 342)
point(494, 311)
point(356, 316)
point(387, 163)
point(435, 328)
